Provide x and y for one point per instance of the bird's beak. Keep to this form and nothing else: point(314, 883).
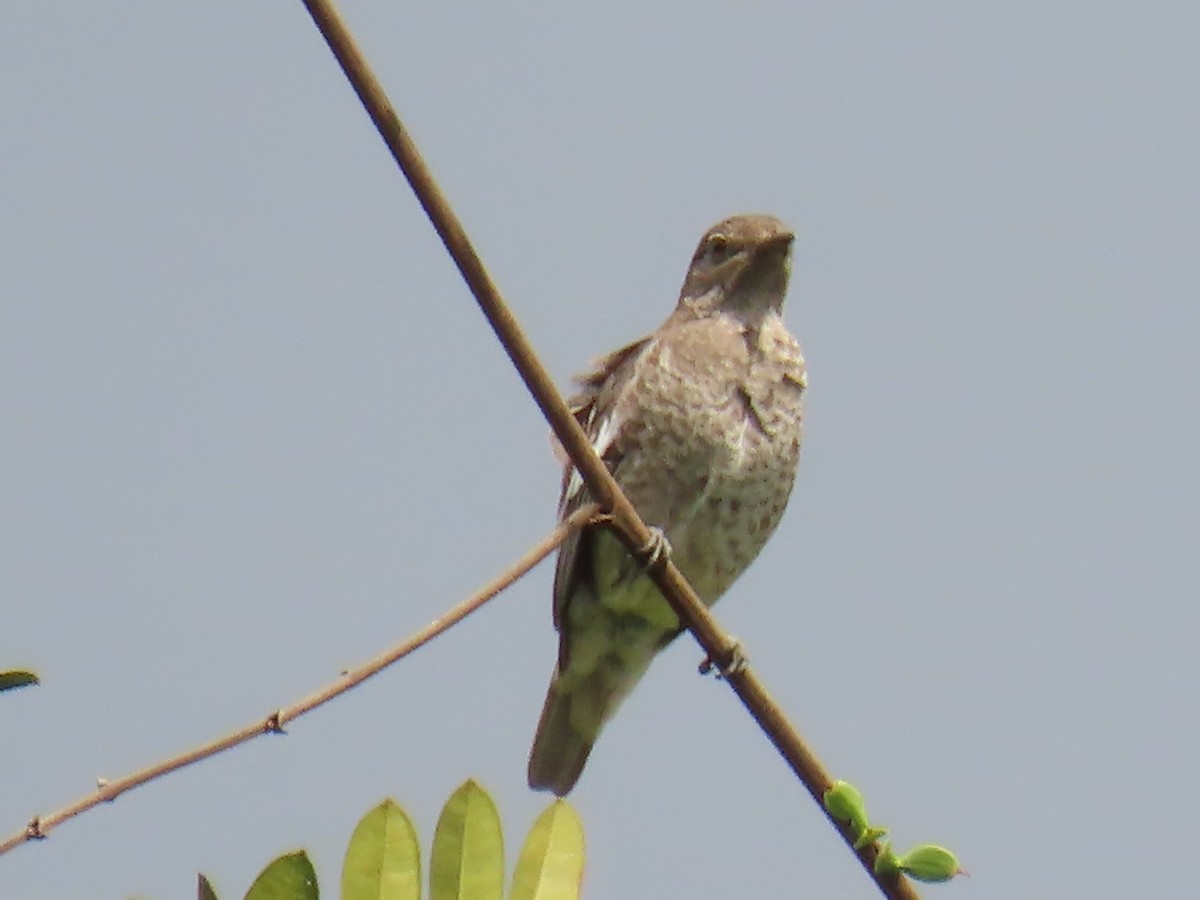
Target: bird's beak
point(768, 264)
point(781, 242)
point(770, 251)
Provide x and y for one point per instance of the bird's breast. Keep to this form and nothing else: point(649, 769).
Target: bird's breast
point(713, 469)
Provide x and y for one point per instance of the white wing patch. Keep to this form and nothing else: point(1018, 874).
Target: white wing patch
point(605, 435)
point(573, 486)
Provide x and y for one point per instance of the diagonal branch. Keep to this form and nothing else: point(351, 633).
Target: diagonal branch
point(107, 791)
point(625, 520)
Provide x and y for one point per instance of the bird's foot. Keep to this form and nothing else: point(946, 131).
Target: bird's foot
point(656, 551)
point(737, 661)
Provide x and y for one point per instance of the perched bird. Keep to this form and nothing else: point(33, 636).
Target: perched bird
point(700, 425)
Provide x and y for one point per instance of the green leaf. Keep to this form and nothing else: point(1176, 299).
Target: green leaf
point(16, 679)
point(290, 877)
point(551, 863)
point(204, 889)
point(929, 862)
point(845, 803)
point(383, 859)
point(468, 848)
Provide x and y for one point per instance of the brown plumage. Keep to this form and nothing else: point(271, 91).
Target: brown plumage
point(700, 424)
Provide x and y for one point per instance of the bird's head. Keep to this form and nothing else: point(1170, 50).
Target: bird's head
point(741, 266)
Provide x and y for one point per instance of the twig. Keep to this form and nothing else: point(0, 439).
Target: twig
point(625, 520)
point(107, 791)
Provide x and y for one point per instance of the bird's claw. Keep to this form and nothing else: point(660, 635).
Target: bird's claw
point(737, 661)
point(656, 551)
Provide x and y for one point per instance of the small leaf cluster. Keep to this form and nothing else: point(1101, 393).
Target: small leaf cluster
point(925, 862)
point(383, 859)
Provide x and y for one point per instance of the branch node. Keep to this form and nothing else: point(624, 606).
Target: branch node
point(734, 663)
point(34, 831)
point(602, 518)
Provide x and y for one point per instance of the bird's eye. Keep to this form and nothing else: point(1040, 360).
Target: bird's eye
point(718, 248)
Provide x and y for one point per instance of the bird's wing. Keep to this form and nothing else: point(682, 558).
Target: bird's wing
point(600, 412)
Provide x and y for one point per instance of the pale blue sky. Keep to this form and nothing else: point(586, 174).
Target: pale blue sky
point(255, 429)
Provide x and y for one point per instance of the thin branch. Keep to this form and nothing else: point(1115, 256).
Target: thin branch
point(625, 520)
point(107, 791)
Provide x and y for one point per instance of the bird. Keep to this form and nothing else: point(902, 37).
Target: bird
point(700, 424)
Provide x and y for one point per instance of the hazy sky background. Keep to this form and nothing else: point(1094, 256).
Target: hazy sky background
point(255, 430)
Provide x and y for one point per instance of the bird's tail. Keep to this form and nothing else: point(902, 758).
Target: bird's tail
point(565, 735)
